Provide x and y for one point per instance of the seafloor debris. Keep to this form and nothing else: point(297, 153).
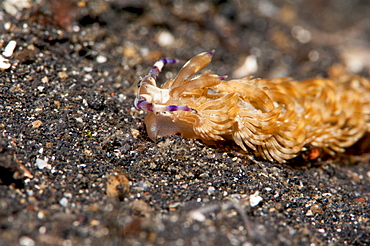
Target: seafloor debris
point(8, 51)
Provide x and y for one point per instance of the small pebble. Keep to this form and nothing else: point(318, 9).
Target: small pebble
point(57, 103)
point(135, 133)
point(129, 52)
point(316, 209)
point(211, 190)
point(309, 213)
point(49, 145)
point(7, 25)
point(321, 230)
point(101, 59)
point(302, 35)
point(197, 215)
point(165, 39)
point(94, 222)
point(41, 164)
point(79, 119)
point(62, 75)
point(26, 241)
point(88, 69)
point(118, 186)
point(63, 202)
point(255, 199)
point(36, 124)
point(45, 79)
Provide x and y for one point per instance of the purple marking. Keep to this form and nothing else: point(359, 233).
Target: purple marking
point(154, 70)
point(169, 61)
point(222, 77)
point(172, 108)
point(211, 52)
point(144, 105)
point(152, 107)
point(178, 108)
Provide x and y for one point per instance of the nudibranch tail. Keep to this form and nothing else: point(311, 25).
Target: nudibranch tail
point(276, 119)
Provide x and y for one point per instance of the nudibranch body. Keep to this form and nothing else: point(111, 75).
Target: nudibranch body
point(277, 119)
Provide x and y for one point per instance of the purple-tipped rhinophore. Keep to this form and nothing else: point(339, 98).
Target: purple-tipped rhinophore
point(157, 68)
point(211, 52)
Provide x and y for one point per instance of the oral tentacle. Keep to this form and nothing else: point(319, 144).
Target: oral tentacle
point(156, 108)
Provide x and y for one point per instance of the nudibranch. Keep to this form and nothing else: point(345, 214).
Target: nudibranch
point(276, 119)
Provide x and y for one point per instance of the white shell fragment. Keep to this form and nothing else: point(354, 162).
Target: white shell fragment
point(101, 59)
point(9, 49)
point(197, 215)
point(41, 164)
point(255, 199)
point(13, 7)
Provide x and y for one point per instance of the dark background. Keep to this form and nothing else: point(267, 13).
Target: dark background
point(67, 103)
